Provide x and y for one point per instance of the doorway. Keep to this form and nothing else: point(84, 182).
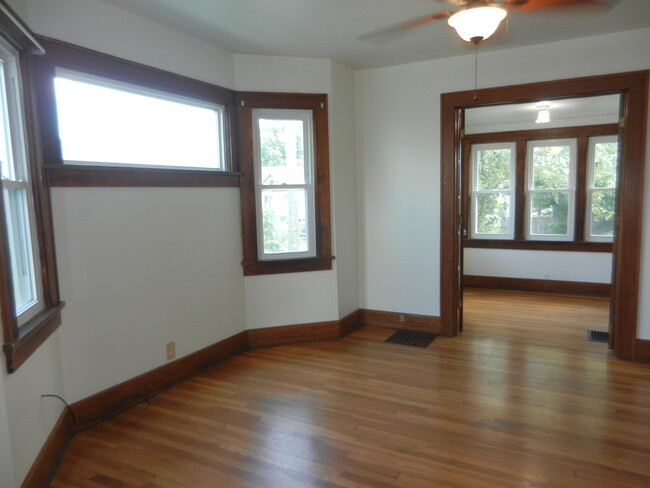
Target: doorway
point(632, 87)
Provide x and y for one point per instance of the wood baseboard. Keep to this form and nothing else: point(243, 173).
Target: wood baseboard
point(44, 467)
point(288, 334)
point(124, 395)
point(350, 323)
point(546, 286)
point(424, 323)
point(642, 350)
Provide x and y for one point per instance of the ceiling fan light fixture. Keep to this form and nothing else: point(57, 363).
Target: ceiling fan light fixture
point(475, 24)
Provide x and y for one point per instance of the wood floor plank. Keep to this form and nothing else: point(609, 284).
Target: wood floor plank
point(520, 400)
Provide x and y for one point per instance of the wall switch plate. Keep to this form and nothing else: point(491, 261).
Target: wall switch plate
point(171, 350)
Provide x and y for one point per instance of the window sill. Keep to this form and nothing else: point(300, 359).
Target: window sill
point(572, 246)
point(319, 263)
point(110, 176)
point(32, 335)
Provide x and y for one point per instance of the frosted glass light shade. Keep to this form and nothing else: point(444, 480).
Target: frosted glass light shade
point(543, 117)
point(477, 22)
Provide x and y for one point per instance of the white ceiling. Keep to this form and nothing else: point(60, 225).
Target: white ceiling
point(568, 112)
point(332, 28)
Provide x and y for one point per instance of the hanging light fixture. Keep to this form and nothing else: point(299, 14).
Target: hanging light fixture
point(543, 116)
point(475, 24)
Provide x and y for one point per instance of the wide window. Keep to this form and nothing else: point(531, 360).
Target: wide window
point(285, 183)
point(551, 189)
point(547, 189)
point(29, 301)
point(105, 122)
point(493, 184)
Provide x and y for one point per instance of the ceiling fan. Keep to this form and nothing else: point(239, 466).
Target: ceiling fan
point(476, 20)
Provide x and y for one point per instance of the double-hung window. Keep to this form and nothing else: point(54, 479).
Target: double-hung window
point(602, 165)
point(17, 195)
point(30, 308)
point(493, 186)
point(285, 192)
point(284, 189)
point(551, 189)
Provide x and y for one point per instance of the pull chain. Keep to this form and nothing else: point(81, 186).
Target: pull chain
point(476, 72)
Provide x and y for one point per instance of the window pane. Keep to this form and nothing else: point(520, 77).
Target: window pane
point(284, 221)
point(551, 167)
point(282, 152)
point(602, 213)
point(98, 124)
point(605, 162)
point(549, 213)
point(493, 169)
point(493, 213)
point(20, 248)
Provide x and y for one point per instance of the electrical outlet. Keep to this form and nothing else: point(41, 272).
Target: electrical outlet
point(401, 318)
point(171, 350)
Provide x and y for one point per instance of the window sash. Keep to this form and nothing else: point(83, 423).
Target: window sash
point(476, 193)
point(18, 201)
point(304, 116)
point(592, 190)
point(216, 161)
point(568, 190)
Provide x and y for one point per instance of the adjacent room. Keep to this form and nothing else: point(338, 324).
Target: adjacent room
point(217, 213)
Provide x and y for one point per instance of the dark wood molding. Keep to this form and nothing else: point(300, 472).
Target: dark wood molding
point(546, 286)
point(317, 103)
point(76, 58)
point(642, 350)
point(103, 176)
point(319, 263)
point(541, 134)
point(44, 467)
point(538, 245)
point(17, 32)
point(350, 323)
point(627, 246)
point(124, 395)
point(289, 334)
point(397, 320)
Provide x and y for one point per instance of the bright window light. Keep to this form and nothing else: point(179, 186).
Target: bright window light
point(103, 122)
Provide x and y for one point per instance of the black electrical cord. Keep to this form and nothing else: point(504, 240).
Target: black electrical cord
point(74, 419)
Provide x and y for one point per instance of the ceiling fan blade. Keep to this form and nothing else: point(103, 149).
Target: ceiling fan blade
point(393, 31)
point(557, 5)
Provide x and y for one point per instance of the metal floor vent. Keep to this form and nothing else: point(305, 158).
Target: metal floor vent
point(597, 336)
point(411, 338)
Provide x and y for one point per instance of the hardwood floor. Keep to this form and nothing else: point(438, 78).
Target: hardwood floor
point(521, 399)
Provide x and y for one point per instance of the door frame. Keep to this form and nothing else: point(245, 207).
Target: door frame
point(633, 88)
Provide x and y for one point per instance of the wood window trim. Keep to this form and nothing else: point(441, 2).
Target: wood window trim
point(21, 342)
point(633, 86)
point(520, 138)
point(76, 58)
point(318, 104)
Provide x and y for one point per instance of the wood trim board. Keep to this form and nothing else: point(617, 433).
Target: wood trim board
point(288, 334)
point(546, 286)
point(44, 467)
point(397, 320)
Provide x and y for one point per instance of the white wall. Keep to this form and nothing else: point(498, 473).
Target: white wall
point(29, 417)
point(398, 155)
point(294, 298)
point(140, 267)
point(102, 27)
point(589, 267)
point(344, 188)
